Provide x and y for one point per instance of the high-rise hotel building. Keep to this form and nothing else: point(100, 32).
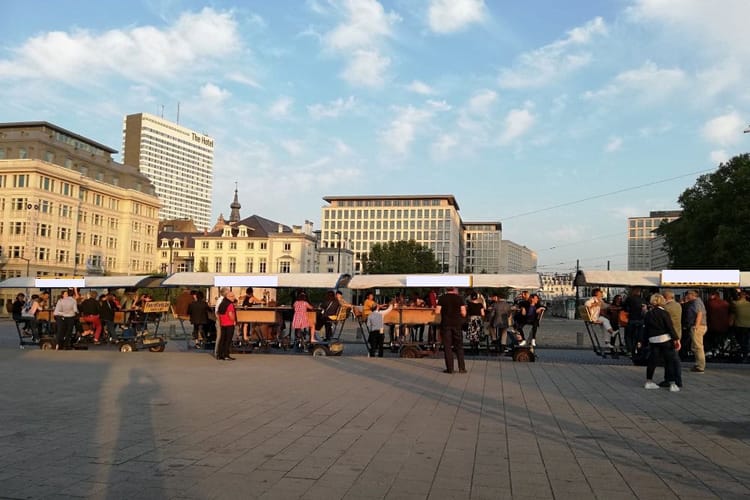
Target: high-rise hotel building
point(178, 161)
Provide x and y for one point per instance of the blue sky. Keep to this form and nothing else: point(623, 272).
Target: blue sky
point(516, 108)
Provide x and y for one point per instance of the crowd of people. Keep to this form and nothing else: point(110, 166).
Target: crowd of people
point(663, 329)
point(74, 315)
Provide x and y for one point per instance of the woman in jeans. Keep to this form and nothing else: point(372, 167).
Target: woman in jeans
point(663, 344)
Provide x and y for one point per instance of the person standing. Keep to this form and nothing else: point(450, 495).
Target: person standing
point(376, 325)
point(452, 310)
point(740, 309)
point(635, 306)
point(717, 319)
point(65, 313)
point(499, 319)
point(198, 311)
point(300, 322)
point(695, 322)
point(663, 344)
point(227, 321)
point(90, 313)
point(674, 309)
point(222, 293)
point(107, 309)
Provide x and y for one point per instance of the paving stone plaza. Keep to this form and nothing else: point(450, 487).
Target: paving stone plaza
point(181, 425)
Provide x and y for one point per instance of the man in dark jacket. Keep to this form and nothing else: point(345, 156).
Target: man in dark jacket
point(452, 310)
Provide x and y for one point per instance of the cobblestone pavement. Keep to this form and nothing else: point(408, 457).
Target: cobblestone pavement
point(179, 424)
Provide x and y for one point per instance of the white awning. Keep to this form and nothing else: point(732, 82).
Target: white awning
point(147, 281)
point(619, 278)
point(285, 280)
point(518, 281)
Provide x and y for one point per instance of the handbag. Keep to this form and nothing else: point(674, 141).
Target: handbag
point(622, 318)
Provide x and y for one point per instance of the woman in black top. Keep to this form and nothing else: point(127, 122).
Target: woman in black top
point(198, 311)
point(663, 344)
point(475, 313)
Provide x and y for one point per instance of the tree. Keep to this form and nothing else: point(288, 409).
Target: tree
point(401, 257)
point(712, 232)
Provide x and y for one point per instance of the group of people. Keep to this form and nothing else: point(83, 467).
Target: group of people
point(656, 328)
point(90, 314)
point(326, 314)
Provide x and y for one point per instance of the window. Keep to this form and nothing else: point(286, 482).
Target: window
point(250, 245)
point(42, 253)
point(66, 189)
point(112, 223)
point(22, 153)
point(285, 266)
point(111, 242)
point(232, 246)
point(287, 247)
point(62, 257)
point(219, 245)
point(330, 259)
point(97, 219)
point(249, 265)
point(263, 246)
point(44, 230)
point(21, 180)
point(96, 240)
point(63, 233)
point(232, 265)
point(217, 265)
point(83, 216)
point(80, 237)
point(46, 183)
point(204, 245)
point(262, 266)
point(18, 228)
point(16, 252)
point(135, 246)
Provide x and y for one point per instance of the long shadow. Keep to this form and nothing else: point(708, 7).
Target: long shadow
point(576, 434)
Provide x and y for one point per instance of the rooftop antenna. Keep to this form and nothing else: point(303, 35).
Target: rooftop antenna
point(178, 112)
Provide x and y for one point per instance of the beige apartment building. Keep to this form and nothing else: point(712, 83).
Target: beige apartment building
point(358, 222)
point(517, 258)
point(250, 245)
point(66, 208)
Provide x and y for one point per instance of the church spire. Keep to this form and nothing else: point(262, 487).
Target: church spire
point(234, 216)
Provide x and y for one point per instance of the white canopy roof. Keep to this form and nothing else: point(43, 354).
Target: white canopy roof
point(290, 280)
point(519, 281)
point(140, 281)
point(619, 278)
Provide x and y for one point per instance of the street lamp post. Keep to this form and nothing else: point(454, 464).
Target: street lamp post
point(338, 258)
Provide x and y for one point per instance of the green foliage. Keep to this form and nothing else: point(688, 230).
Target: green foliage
point(713, 229)
point(401, 257)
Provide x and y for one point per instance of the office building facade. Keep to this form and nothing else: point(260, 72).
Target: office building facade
point(641, 236)
point(177, 160)
point(359, 222)
point(482, 242)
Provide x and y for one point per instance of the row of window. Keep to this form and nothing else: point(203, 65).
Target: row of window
point(389, 203)
point(434, 213)
point(249, 245)
point(393, 224)
point(60, 256)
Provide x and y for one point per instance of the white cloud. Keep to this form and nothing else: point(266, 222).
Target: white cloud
point(439, 105)
point(366, 68)
point(366, 22)
point(614, 144)
point(649, 81)
point(281, 107)
point(724, 130)
point(342, 148)
point(449, 16)
point(719, 156)
point(481, 102)
point(717, 26)
point(144, 53)
point(243, 79)
point(333, 109)
point(403, 129)
point(517, 123)
point(359, 39)
point(213, 94)
point(545, 64)
point(443, 146)
point(292, 147)
point(419, 87)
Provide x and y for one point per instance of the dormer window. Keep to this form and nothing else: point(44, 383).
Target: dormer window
point(165, 243)
point(242, 232)
point(227, 232)
point(176, 243)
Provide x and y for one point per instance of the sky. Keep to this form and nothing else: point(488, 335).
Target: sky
point(558, 119)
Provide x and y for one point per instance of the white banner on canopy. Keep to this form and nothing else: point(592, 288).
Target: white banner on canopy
point(270, 281)
point(700, 277)
point(438, 280)
point(60, 283)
